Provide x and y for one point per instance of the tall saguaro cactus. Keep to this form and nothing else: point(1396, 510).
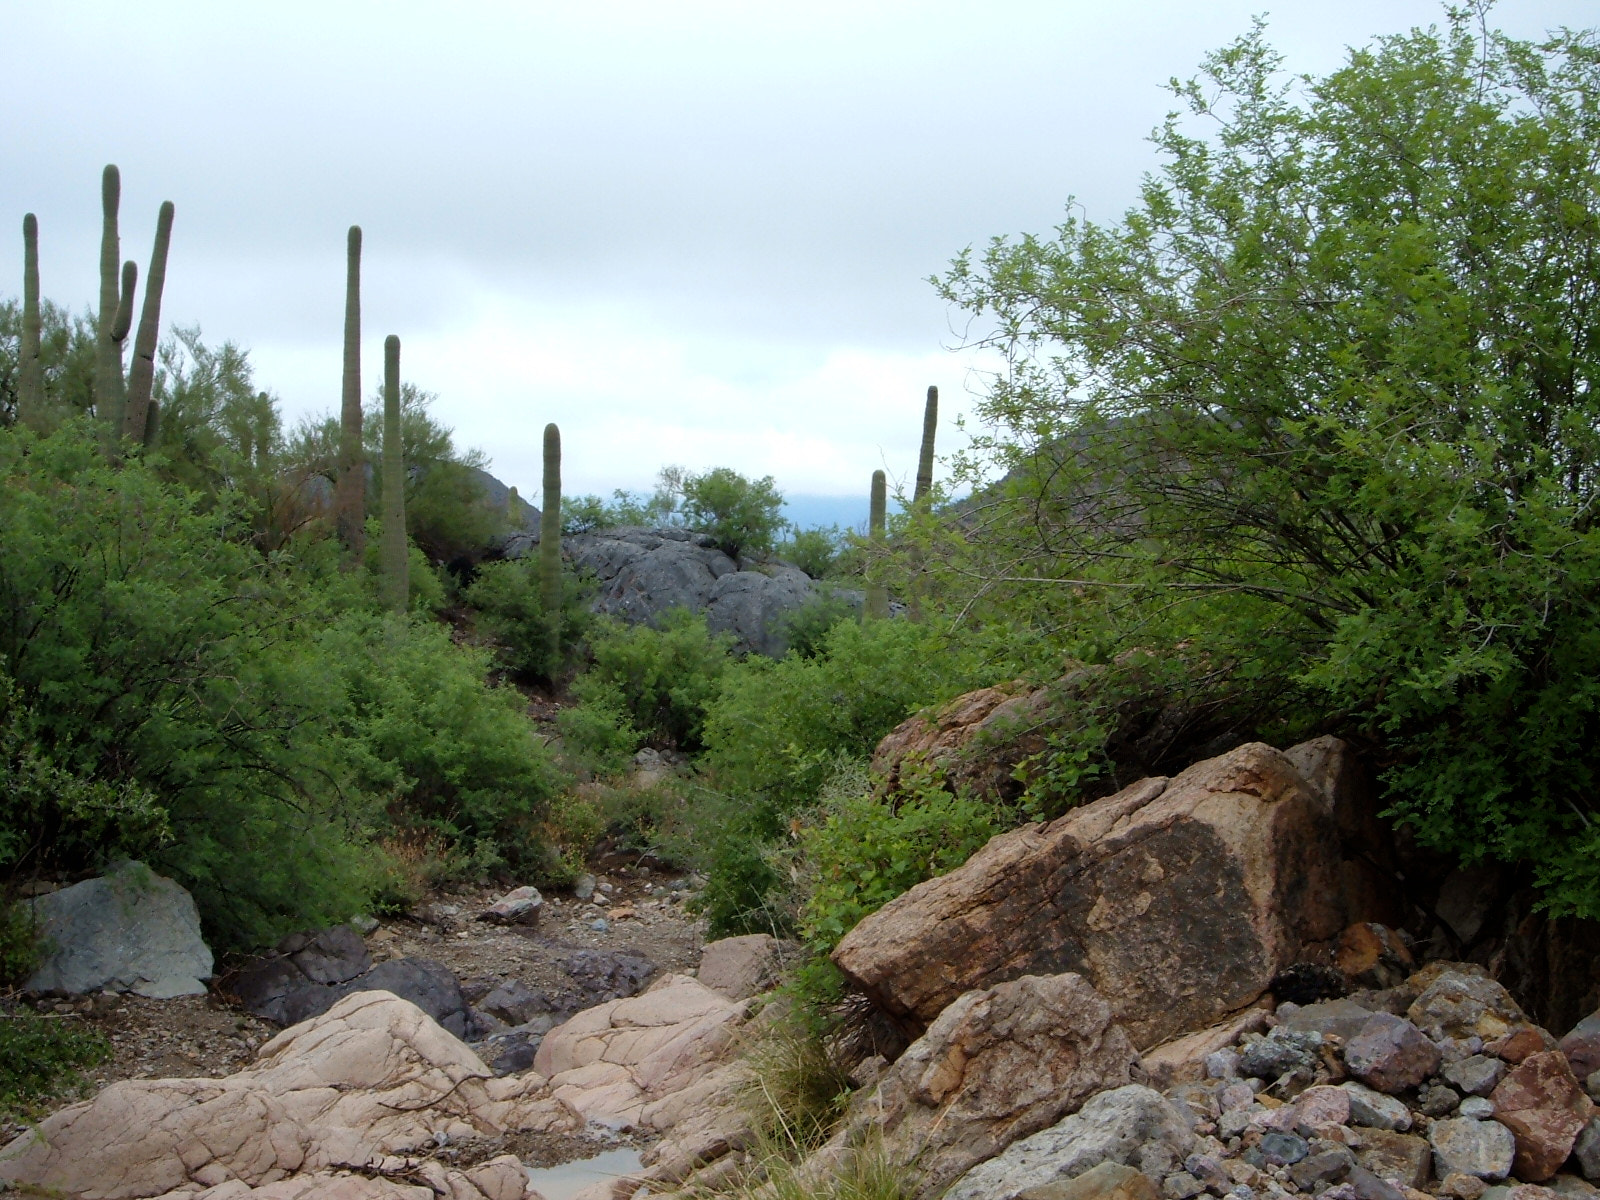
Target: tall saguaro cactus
point(930, 423)
point(350, 491)
point(877, 594)
point(550, 544)
point(116, 307)
point(142, 372)
point(30, 370)
point(396, 556)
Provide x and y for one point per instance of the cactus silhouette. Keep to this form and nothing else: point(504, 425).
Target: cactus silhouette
point(877, 594)
point(142, 371)
point(550, 544)
point(350, 490)
point(30, 368)
point(115, 303)
point(396, 557)
point(930, 423)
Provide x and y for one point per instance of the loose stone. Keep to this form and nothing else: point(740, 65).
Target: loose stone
point(1391, 1054)
point(1374, 1109)
point(1481, 1148)
point(1437, 1100)
point(1477, 1075)
point(1477, 1108)
point(1283, 1149)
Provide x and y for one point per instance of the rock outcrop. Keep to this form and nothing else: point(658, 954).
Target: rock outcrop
point(1179, 899)
point(644, 573)
point(130, 930)
point(997, 1065)
point(370, 1087)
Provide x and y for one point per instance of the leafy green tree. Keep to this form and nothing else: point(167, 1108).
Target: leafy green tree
point(1325, 407)
point(817, 551)
point(740, 515)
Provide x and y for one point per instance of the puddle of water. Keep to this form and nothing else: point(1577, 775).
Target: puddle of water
point(567, 1180)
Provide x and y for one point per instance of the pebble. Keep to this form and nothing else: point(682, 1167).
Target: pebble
point(1478, 1108)
point(600, 925)
point(1477, 1075)
point(1437, 1100)
point(1283, 1149)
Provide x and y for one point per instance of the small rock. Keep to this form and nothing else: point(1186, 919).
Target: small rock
point(520, 906)
point(1373, 956)
point(1236, 1096)
point(1459, 1001)
point(600, 925)
point(1327, 1163)
point(1519, 1044)
point(1400, 1158)
point(1222, 1064)
point(1570, 1187)
point(1477, 1075)
point(1436, 1100)
point(515, 1003)
point(1484, 1149)
point(364, 925)
point(1391, 1054)
point(1586, 1150)
point(1368, 1186)
point(1181, 1185)
point(1519, 1191)
point(1282, 1051)
point(1338, 1018)
point(1591, 1084)
point(1281, 1149)
point(583, 887)
point(1233, 1124)
point(1543, 1106)
point(1463, 1186)
point(1208, 1171)
point(1476, 1107)
point(1322, 1106)
point(1374, 1109)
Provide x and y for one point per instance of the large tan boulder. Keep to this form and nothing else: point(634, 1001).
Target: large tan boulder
point(997, 1065)
point(1179, 899)
point(615, 1060)
point(371, 1084)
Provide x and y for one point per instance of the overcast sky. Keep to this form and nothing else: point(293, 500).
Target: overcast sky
point(688, 232)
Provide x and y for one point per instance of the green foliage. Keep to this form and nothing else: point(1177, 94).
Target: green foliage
point(511, 613)
point(777, 729)
point(598, 737)
point(664, 678)
point(799, 1088)
point(19, 945)
point(739, 514)
point(859, 852)
point(243, 723)
point(661, 507)
point(817, 551)
point(806, 629)
point(40, 1057)
point(1324, 407)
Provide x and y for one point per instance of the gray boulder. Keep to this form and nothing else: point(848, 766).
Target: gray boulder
point(645, 573)
point(130, 930)
point(1127, 1125)
point(304, 963)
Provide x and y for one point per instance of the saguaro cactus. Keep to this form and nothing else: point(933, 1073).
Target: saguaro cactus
point(116, 307)
point(142, 371)
point(877, 594)
point(350, 492)
point(396, 556)
point(30, 370)
point(550, 544)
point(930, 423)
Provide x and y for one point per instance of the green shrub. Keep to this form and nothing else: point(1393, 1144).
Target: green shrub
point(806, 629)
point(815, 551)
point(777, 729)
point(40, 1057)
point(739, 514)
point(664, 678)
point(511, 614)
point(859, 853)
point(19, 945)
point(598, 736)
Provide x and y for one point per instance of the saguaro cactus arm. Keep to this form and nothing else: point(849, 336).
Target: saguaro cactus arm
point(350, 490)
point(930, 423)
point(108, 346)
point(142, 371)
point(877, 594)
point(550, 544)
point(30, 370)
point(396, 556)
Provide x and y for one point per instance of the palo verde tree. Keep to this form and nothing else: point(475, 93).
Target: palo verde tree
point(1324, 408)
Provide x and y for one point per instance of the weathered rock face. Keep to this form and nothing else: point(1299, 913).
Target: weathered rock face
point(128, 931)
point(1179, 900)
point(997, 1064)
point(1119, 1126)
point(1545, 1108)
point(367, 1084)
point(643, 573)
point(742, 967)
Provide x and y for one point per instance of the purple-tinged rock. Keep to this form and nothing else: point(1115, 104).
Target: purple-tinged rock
point(1391, 1054)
